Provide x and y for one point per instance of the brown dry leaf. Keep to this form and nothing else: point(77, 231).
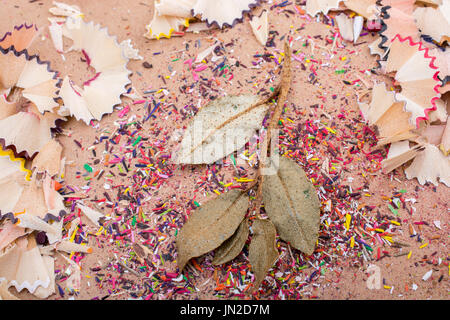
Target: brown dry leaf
point(210, 225)
point(232, 246)
point(292, 205)
point(262, 251)
point(220, 128)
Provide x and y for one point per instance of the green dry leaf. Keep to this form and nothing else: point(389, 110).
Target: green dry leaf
point(291, 203)
point(210, 225)
point(262, 251)
point(232, 246)
point(220, 128)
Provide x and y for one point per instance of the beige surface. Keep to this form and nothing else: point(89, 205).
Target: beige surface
point(343, 278)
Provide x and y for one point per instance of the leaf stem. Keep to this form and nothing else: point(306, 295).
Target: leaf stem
point(284, 87)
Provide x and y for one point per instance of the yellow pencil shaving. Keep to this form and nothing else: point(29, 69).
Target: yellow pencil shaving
point(331, 130)
point(19, 213)
point(348, 219)
point(244, 180)
point(99, 231)
point(72, 237)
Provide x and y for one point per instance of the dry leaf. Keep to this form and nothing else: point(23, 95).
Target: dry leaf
point(233, 245)
point(262, 252)
point(220, 128)
point(260, 27)
point(223, 13)
point(291, 203)
point(434, 22)
point(210, 225)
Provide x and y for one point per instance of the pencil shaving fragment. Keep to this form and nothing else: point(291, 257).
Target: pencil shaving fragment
point(366, 8)
point(223, 13)
point(260, 27)
point(313, 7)
point(13, 177)
point(21, 37)
point(109, 59)
point(4, 292)
point(434, 22)
point(23, 267)
point(417, 76)
point(399, 153)
point(345, 25)
point(397, 15)
point(92, 214)
point(69, 247)
point(174, 8)
point(65, 10)
point(165, 26)
point(48, 159)
point(429, 166)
